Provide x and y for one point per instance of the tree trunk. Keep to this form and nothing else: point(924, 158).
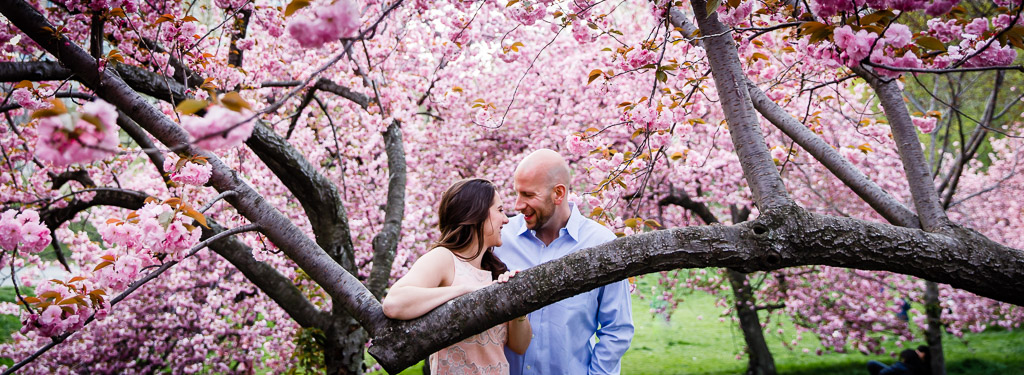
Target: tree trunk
point(345, 345)
point(934, 335)
point(760, 358)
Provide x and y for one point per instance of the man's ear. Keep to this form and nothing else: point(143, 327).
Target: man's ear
point(561, 192)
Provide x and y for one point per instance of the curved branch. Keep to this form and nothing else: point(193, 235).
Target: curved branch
point(317, 194)
point(779, 238)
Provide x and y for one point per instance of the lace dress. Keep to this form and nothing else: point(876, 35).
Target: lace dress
point(479, 354)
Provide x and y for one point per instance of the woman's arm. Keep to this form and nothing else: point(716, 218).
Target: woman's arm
point(519, 333)
point(425, 287)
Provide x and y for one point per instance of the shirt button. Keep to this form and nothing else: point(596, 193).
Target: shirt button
point(527, 367)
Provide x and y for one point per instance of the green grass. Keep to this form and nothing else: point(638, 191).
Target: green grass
point(688, 345)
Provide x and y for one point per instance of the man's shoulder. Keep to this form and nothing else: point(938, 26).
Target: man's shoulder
point(593, 233)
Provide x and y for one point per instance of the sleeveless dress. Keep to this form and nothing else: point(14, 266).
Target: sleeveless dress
point(479, 354)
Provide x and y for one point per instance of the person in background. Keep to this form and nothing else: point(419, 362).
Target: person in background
point(909, 364)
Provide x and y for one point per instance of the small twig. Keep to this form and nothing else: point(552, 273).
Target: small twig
point(229, 193)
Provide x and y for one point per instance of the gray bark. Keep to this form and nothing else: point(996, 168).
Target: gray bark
point(922, 188)
point(730, 82)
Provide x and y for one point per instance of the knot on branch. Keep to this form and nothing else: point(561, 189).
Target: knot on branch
point(771, 232)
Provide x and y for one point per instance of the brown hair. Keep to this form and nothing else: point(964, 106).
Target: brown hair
point(464, 208)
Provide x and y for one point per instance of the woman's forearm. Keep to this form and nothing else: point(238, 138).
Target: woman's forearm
point(519, 334)
point(411, 302)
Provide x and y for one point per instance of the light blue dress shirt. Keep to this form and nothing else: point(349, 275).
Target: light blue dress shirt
point(563, 333)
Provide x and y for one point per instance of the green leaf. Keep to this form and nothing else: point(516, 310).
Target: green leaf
point(713, 5)
point(931, 43)
point(294, 6)
point(191, 106)
point(661, 76)
point(234, 102)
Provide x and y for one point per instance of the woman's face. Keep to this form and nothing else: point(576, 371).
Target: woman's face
point(496, 218)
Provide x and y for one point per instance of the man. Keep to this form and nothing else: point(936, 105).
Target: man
point(549, 227)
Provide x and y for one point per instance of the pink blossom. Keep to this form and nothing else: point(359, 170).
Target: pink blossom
point(734, 16)
point(526, 12)
point(81, 137)
point(944, 31)
point(576, 145)
point(338, 20)
point(925, 124)
point(906, 5)
point(582, 33)
point(27, 100)
point(855, 47)
point(639, 57)
point(898, 35)
point(940, 7)
point(192, 174)
point(977, 27)
point(220, 128)
point(10, 230)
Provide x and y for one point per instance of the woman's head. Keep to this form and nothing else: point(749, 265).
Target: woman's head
point(470, 218)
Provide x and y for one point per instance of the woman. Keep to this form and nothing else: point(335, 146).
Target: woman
point(462, 261)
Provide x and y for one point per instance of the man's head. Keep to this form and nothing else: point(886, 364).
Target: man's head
point(542, 187)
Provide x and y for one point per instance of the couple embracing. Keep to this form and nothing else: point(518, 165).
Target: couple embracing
point(479, 245)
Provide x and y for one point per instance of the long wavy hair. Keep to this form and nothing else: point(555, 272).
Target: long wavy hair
point(464, 209)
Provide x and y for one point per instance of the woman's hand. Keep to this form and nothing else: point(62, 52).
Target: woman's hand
point(505, 277)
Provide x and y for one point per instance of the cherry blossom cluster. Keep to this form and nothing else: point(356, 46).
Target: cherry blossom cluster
point(329, 23)
point(82, 136)
point(23, 232)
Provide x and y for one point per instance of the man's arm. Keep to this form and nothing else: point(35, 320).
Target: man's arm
point(615, 317)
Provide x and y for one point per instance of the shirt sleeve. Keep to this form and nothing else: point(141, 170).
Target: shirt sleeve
point(614, 314)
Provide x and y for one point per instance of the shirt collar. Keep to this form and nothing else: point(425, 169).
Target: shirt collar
point(572, 226)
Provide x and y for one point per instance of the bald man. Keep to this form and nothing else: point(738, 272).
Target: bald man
point(584, 334)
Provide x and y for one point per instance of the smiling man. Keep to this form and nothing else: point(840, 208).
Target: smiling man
point(584, 334)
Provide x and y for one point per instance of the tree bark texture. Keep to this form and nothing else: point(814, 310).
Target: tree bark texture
point(730, 82)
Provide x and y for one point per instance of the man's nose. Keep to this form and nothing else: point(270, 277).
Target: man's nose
point(520, 204)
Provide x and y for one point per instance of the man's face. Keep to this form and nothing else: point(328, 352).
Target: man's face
point(534, 199)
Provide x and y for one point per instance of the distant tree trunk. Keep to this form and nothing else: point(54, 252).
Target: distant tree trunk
point(934, 335)
point(345, 345)
point(760, 358)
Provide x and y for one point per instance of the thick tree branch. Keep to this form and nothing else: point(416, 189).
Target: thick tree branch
point(880, 200)
point(730, 81)
point(781, 238)
point(317, 194)
point(385, 243)
point(919, 178)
